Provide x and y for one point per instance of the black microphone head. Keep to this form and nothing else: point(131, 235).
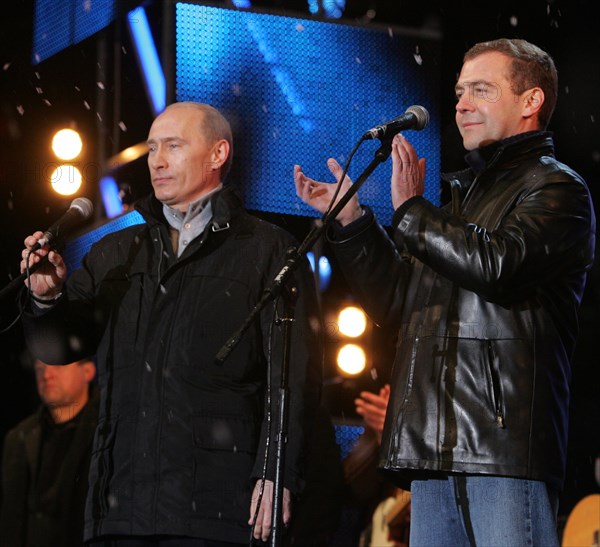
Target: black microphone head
point(421, 115)
point(84, 206)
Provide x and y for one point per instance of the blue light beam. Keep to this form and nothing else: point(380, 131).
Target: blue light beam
point(148, 59)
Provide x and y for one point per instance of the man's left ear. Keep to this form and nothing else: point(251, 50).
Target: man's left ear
point(220, 153)
point(534, 99)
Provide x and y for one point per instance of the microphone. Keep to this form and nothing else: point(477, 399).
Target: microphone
point(416, 117)
point(81, 209)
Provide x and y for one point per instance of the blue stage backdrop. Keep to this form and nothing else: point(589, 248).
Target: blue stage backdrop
point(301, 90)
point(57, 25)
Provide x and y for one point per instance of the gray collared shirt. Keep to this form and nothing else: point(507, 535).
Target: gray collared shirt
point(191, 223)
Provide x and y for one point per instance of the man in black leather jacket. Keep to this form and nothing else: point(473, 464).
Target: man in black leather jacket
point(181, 440)
point(484, 293)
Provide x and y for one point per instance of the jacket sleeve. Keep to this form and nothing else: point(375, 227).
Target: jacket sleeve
point(16, 481)
point(375, 269)
point(70, 329)
point(550, 228)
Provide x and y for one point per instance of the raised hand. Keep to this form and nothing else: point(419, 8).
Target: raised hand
point(372, 407)
point(319, 194)
point(408, 171)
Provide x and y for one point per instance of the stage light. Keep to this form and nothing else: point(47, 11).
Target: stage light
point(148, 59)
point(109, 189)
point(352, 321)
point(66, 179)
point(67, 144)
point(351, 359)
point(324, 269)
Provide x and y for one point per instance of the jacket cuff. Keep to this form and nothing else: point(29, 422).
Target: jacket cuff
point(401, 211)
point(338, 233)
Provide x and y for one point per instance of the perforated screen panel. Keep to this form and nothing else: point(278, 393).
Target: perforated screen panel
point(299, 91)
point(57, 25)
point(346, 436)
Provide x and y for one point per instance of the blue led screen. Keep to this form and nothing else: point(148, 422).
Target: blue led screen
point(57, 25)
point(301, 90)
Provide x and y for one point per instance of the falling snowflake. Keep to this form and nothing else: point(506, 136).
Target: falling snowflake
point(417, 56)
point(514, 21)
point(6, 66)
point(100, 85)
point(112, 500)
point(20, 109)
point(123, 127)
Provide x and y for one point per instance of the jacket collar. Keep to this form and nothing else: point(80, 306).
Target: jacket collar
point(504, 154)
point(226, 204)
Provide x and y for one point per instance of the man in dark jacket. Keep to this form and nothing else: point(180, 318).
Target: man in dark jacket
point(181, 440)
point(484, 293)
point(46, 459)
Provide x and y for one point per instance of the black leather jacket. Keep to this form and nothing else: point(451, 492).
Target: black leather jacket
point(484, 294)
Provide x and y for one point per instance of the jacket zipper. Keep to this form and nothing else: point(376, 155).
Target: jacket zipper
point(496, 391)
point(455, 194)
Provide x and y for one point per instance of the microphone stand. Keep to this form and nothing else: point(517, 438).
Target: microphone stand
point(279, 283)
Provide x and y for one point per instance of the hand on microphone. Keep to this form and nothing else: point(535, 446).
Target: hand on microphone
point(408, 171)
point(319, 194)
point(47, 282)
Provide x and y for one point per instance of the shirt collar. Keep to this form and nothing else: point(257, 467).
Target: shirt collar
point(193, 222)
point(177, 219)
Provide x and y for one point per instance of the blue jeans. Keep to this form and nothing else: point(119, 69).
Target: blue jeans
point(482, 511)
point(158, 541)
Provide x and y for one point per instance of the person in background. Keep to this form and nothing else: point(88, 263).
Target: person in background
point(46, 459)
point(183, 441)
point(484, 293)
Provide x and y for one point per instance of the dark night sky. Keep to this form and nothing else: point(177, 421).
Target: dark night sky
point(34, 100)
